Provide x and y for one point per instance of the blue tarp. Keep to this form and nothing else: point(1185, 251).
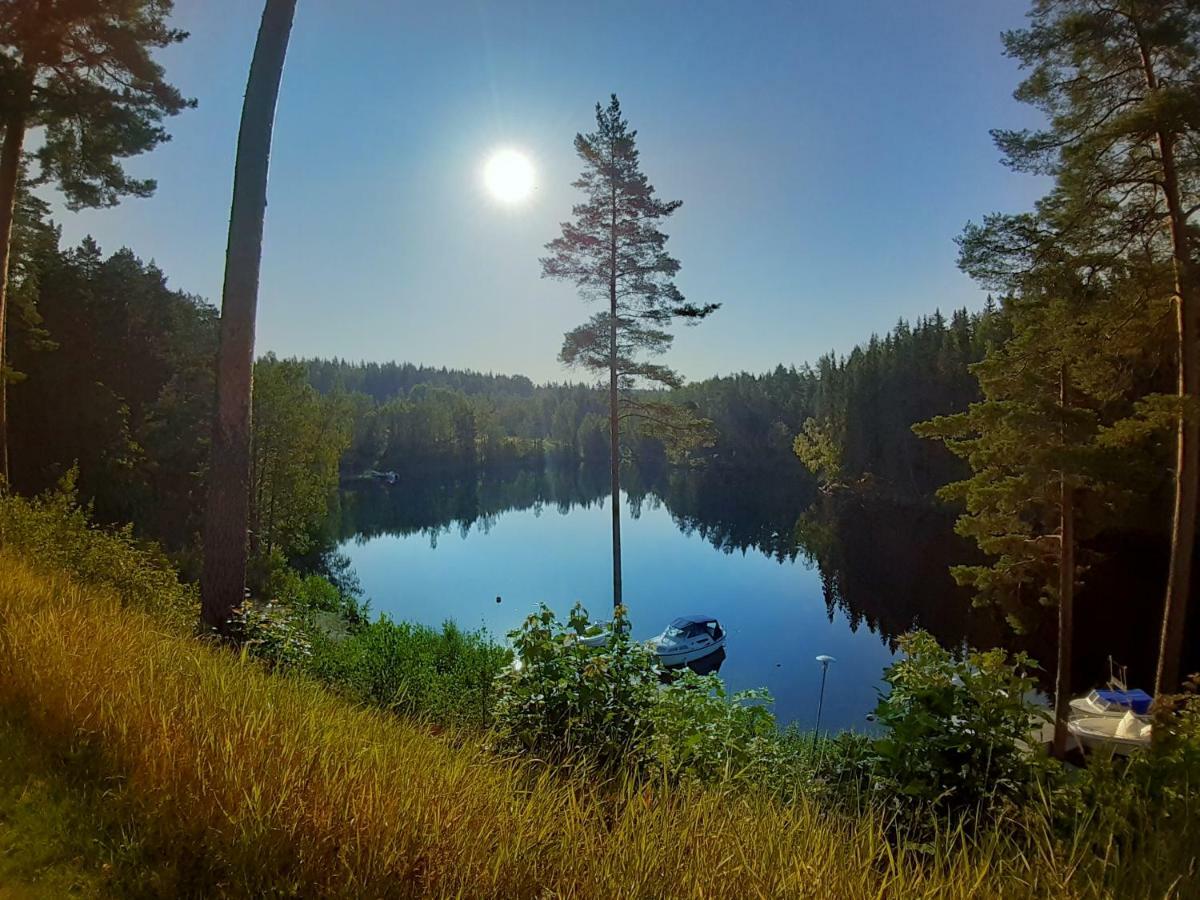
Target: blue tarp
point(1137, 700)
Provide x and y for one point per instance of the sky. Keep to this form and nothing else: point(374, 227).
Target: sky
point(826, 154)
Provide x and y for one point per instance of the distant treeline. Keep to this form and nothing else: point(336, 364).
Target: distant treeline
point(865, 403)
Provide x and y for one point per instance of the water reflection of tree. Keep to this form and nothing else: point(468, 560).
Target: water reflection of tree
point(887, 565)
point(461, 499)
point(884, 565)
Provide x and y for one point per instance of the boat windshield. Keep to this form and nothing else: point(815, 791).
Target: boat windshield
point(693, 629)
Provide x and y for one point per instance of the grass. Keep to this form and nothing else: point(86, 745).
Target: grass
point(61, 834)
point(239, 782)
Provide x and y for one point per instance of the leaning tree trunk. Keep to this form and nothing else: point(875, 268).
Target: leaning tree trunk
point(10, 172)
point(1187, 439)
point(223, 578)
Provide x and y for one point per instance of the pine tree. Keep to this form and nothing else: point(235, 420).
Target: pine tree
point(226, 514)
point(615, 252)
point(1050, 464)
point(81, 72)
point(1119, 81)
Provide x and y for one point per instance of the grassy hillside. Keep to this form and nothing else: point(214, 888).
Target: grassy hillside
point(248, 782)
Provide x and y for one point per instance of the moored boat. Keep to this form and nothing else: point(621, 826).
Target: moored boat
point(1115, 703)
point(687, 639)
point(1120, 735)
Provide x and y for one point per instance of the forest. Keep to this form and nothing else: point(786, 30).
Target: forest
point(1001, 493)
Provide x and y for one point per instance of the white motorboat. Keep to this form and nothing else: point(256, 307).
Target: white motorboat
point(597, 635)
point(688, 639)
point(1114, 703)
point(1120, 735)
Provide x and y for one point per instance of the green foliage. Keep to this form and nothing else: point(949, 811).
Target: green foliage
point(446, 676)
point(701, 734)
point(55, 533)
point(568, 699)
point(1055, 411)
point(299, 437)
point(818, 447)
point(607, 705)
point(273, 633)
point(956, 729)
point(84, 73)
point(126, 396)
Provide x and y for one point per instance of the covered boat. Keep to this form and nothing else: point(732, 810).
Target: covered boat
point(1116, 703)
point(688, 639)
point(1120, 735)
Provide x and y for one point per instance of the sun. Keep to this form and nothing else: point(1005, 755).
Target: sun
point(508, 176)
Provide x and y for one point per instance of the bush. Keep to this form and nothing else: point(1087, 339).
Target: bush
point(307, 596)
point(445, 675)
point(272, 633)
point(700, 733)
point(957, 729)
point(53, 532)
point(609, 706)
point(567, 699)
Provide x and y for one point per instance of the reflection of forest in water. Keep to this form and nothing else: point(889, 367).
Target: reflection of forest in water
point(886, 566)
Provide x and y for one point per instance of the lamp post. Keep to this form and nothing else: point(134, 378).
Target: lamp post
point(824, 661)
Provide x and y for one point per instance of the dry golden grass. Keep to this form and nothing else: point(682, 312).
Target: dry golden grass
point(255, 783)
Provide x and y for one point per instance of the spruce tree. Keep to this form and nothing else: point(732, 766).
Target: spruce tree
point(615, 253)
point(81, 72)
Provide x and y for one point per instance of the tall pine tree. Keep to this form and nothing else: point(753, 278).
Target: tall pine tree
point(1119, 82)
point(81, 71)
point(615, 253)
point(227, 509)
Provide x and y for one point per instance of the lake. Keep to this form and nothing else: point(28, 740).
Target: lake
point(790, 574)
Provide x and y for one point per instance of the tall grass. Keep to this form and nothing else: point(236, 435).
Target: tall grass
point(258, 783)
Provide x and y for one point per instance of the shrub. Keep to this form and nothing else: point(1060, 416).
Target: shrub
point(53, 532)
point(566, 698)
point(700, 733)
point(957, 728)
point(272, 633)
point(308, 595)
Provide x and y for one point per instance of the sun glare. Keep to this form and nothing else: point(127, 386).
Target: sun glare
point(508, 176)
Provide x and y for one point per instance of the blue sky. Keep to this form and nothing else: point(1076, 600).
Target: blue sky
point(827, 154)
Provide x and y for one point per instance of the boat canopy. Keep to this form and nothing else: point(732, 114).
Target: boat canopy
point(1137, 700)
point(684, 621)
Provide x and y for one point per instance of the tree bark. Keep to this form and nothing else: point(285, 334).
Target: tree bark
point(223, 578)
point(1066, 602)
point(614, 422)
point(1187, 437)
point(10, 172)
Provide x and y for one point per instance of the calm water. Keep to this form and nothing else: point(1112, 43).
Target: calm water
point(774, 612)
point(789, 575)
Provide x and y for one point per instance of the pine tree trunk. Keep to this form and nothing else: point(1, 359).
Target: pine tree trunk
point(614, 422)
point(10, 171)
point(223, 578)
point(1187, 438)
point(1187, 471)
point(1066, 605)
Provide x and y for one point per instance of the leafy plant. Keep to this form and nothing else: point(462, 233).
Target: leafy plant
point(700, 733)
point(55, 533)
point(567, 698)
point(271, 632)
point(956, 728)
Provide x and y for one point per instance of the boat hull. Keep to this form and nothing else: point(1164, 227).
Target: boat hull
point(1100, 733)
point(674, 657)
